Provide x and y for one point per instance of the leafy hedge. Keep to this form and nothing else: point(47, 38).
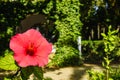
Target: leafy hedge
point(66, 14)
point(68, 56)
point(66, 17)
point(93, 51)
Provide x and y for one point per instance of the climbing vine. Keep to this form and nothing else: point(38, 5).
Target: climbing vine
point(66, 14)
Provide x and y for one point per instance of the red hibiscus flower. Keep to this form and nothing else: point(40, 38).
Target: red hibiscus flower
point(30, 48)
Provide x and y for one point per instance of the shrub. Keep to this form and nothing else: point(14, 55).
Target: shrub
point(66, 56)
point(66, 14)
point(115, 73)
point(92, 51)
point(95, 75)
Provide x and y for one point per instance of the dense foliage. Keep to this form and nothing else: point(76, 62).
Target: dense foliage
point(70, 18)
point(93, 51)
point(67, 22)
point(11, 13)
point(66, 18)
point(111, 42)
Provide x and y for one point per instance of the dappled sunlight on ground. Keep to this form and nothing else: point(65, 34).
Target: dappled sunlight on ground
point(72, 73)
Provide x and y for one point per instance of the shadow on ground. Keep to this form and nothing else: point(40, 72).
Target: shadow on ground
point(72, 73)
point(80, 73)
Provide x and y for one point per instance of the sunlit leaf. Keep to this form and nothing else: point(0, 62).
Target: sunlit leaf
point(6, 79)
point(8, 63)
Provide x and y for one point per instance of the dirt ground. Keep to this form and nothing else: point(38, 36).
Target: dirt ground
point(72, 73)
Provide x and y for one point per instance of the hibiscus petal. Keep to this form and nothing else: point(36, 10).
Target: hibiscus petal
point(33, 35)
point(28, 61)
point(19, 56)
point(42, 61)
point(40, 43)
point(18, 44)
point(44, 48)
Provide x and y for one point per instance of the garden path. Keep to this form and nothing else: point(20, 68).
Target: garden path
point(72, 73)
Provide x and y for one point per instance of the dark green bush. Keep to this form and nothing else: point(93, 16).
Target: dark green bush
point(66, 14)
point(93, 51)
point(115, 73)
point(66, 56)
point(96, 75)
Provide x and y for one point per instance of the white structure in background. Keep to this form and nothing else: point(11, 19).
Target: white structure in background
point(52, 53)
point(53, 48)
point(79, 45)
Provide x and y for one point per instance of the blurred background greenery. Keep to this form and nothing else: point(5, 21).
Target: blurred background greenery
point(70, 19)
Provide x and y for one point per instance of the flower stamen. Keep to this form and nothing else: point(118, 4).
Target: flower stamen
point(30, 50)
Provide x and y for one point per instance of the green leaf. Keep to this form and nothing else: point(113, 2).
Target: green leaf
point(37, 71)
point(8, 63)
point(106, 50)
point(103, 34)
point(26, 72)
point(111, 47)
point(111, 38)
point(6, 79)
point(103, 64)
